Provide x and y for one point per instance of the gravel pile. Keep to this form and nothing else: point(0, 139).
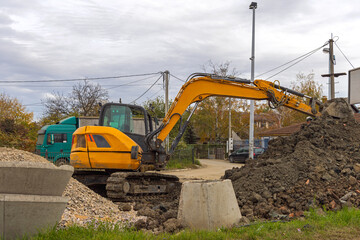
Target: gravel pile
point(315, 167)
point(12, 155)
point(85, 205)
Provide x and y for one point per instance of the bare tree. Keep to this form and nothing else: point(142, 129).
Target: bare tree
point(86, 98)
point(83, 100)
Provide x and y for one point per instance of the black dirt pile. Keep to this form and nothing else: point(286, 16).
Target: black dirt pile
point(161, 213)
point(317, 166)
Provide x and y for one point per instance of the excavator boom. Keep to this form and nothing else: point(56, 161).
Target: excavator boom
point(199, 88)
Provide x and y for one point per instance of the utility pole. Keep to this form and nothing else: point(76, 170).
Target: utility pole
point(331, 75)
point(331, 62)
point(166, 85)
point(230, 143)
point(252, 6)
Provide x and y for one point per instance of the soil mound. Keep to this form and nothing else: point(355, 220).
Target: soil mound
point(317, 166)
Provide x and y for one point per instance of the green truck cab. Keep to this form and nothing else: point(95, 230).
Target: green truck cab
point(54, 141)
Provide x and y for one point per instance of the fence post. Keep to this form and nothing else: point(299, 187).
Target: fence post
point(193, 155)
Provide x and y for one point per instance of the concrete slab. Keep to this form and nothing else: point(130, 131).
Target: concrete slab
point(34, 178)
point(2, 207)
point(208, 205)
point(27, 214)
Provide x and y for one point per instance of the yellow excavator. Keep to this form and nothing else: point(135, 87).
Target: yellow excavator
point(126, 144)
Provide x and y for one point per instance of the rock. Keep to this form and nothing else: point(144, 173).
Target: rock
point(148, 212)
point(244, 221)
point(326, 177)
point(140, 224)
point(172, 225)
point(357, 168)
point(170, 214)
point(266, 194)
point(125, 207)
point(352, 180)
point(256, 197)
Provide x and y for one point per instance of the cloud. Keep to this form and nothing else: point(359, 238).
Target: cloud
point(74, 39)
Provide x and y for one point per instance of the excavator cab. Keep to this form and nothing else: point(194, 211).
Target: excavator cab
point(132, 120)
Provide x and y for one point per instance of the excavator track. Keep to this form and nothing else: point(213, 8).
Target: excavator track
point(122, 186)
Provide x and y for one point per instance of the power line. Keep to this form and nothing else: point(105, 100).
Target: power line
point(343, 54)
point(80, 79)
point(32, 104)
point(112, 86)
point(125, 84)
point(298, 59)
point(147, 90)
point(177, 78)
point(155, 93)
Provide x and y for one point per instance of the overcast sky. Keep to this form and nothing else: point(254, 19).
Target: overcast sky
point(44, 40)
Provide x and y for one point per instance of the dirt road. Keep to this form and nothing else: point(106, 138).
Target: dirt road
point(210, 170)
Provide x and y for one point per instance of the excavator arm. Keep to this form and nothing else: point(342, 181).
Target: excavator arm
point(202, 86)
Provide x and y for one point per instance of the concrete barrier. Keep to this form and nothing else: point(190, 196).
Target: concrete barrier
point(31, 197)
point(27, 214)
point(34, 178)
point(208, 205)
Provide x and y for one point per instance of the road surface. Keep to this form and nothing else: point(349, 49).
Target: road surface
point(210, 170)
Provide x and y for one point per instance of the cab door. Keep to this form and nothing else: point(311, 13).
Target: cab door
point(104, 156)
point(79, 157)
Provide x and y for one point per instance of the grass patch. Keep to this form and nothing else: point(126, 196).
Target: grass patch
point(182, 163)
point(182, 158)
point(344, 224)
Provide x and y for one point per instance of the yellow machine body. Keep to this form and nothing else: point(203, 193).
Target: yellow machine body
point(98, 147)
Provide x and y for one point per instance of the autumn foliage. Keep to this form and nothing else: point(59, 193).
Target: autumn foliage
point(16, 126)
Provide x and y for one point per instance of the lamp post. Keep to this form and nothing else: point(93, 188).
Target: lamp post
point(252, 6)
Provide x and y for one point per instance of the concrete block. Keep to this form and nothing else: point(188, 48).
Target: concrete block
point(208, 205)
point(2, 223)
point(34, 178)
point(27, 214)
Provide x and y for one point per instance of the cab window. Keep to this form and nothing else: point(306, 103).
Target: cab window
point(100, 141)
point(80, 141)
point(56, 138)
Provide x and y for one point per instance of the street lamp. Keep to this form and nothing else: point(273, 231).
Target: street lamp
point(252, 6)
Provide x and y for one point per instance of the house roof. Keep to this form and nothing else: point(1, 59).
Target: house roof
point(286, 131)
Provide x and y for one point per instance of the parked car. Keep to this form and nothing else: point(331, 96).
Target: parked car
point(242, 154)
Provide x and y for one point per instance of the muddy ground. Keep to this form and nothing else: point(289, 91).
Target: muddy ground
point(319, 166)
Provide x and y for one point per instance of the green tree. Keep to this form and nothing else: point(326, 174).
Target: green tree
point(16, 126)
point(156, 108)
point(307, 85)
point(211, 119)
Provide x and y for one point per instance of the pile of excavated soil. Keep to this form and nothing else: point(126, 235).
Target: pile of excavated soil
point(315, 167)
point(161, 214)
point(84, 205)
